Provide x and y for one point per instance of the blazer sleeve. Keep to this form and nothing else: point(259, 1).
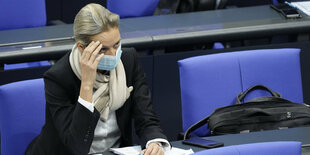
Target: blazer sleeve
point(74, 123)
point(146, 122)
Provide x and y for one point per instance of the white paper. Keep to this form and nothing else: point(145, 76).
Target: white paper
point(178, 151)
point(135, 150)
point(303, 6)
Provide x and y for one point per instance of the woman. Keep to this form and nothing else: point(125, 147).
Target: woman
point(93, 92)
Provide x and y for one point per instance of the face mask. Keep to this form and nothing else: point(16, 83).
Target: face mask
point(109, 62)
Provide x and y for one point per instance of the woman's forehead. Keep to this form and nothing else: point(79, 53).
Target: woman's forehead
point(108, 38)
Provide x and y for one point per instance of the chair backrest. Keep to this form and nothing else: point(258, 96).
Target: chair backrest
point(16, 14)
point(211, 81)
point(266, 148)
point(22, 114)
point(132, 8)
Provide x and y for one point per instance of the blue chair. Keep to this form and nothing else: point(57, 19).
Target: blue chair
point(22, 114)
point(211, 81)
point(15, 14)
point(266, 148)
point(132, 8)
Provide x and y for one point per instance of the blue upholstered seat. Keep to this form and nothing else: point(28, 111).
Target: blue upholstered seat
point(22, 114)
point(16, 14)
point(132, 8)
point(211, 81)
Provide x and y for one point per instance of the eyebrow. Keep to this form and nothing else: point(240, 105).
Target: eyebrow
point(103, 46)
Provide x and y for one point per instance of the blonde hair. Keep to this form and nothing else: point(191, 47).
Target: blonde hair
point(93, 19)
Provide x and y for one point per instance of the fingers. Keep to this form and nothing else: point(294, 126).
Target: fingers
point(91, 51)
point(98, 59)
point(142, 152)
point(153, 149)
point(86, 52)
point(91, 44)
point(94, 55)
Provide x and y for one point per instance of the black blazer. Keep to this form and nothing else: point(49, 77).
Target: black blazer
point(69, 126)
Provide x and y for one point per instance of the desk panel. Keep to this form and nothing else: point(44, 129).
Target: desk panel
point(162, 31)
point(301, 134)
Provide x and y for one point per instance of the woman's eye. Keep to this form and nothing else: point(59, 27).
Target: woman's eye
point(102, 51)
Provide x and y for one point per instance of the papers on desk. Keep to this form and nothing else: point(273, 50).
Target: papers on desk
point(135, 150)
point(303, 6)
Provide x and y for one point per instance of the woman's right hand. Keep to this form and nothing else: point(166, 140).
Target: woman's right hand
point(88, 64)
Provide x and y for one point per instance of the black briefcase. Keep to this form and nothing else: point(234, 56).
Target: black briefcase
point(258, 114)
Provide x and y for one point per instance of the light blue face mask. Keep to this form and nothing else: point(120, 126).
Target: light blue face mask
point(109, 62)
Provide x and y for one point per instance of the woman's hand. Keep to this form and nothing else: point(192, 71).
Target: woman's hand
point(88, 64)
point(153, 149)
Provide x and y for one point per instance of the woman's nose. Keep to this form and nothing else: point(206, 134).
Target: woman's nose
point(111, 51)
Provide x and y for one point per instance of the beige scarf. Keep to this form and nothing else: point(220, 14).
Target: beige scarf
point(110, 91)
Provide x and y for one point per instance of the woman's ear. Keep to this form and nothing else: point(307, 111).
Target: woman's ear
point(80, 46)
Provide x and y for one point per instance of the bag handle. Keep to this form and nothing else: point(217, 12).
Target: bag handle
point(242, 95)
point(270, 99)
point(195, 126)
